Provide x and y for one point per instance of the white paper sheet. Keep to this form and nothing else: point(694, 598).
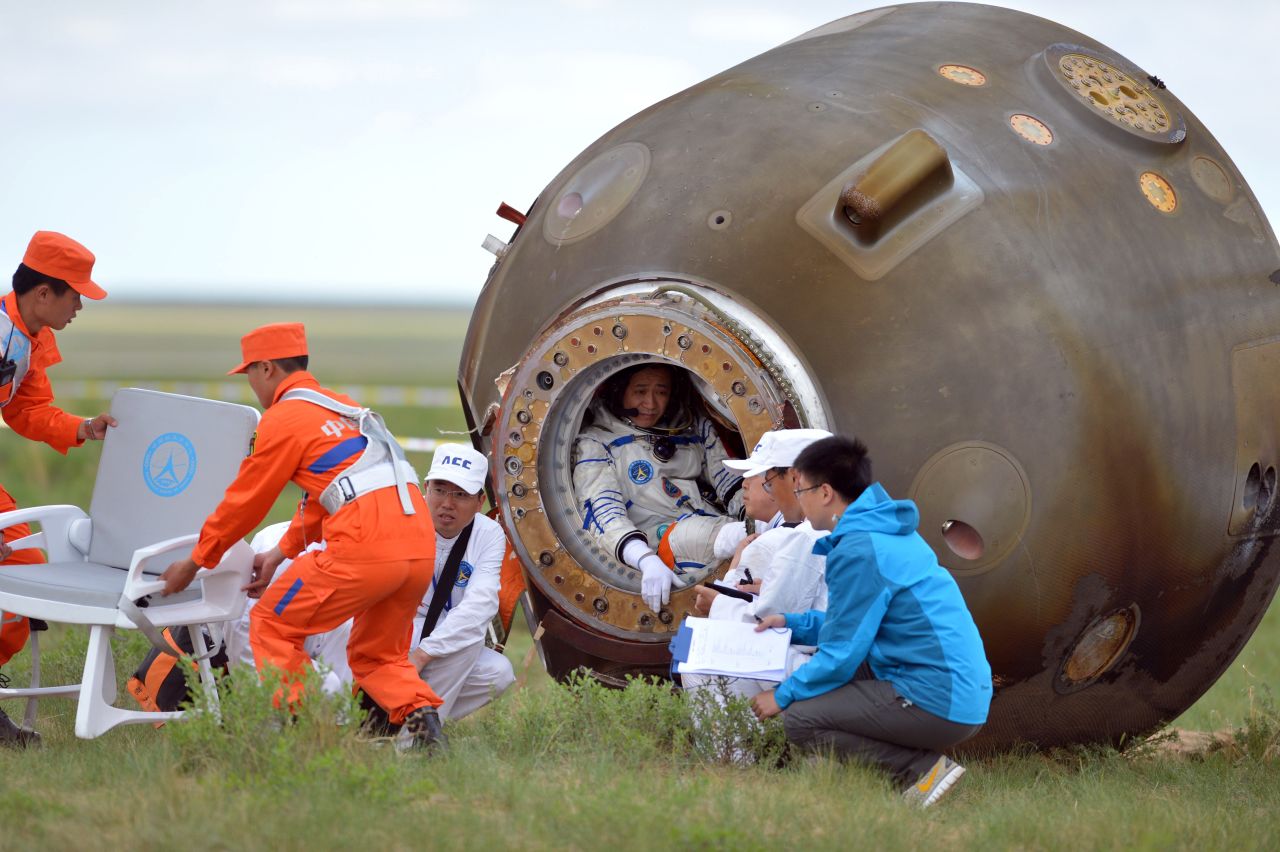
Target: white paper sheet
point(735, 649)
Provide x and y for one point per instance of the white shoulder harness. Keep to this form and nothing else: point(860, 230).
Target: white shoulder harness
point(381, 465)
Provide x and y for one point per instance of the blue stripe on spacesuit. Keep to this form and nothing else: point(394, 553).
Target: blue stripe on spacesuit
point(590, 518)
point(598, 515)
point(676, 440)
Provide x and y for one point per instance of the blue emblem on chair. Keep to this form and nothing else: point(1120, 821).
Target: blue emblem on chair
point(169, 464)
point(640, 472)
point(464, 574)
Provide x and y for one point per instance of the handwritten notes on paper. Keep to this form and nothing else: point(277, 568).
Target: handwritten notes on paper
point(735, 649)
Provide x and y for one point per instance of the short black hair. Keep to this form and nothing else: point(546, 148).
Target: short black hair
point(839, 462)
point(26, 279)
point(292, 365)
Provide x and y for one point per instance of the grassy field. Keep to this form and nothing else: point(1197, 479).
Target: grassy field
point(548, 766)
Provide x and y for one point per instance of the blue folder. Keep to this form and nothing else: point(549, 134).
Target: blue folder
point(680, 646)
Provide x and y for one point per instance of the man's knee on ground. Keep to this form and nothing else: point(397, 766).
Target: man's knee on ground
point(505, 677)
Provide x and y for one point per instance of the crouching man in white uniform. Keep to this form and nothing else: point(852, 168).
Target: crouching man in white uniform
point(451, 654)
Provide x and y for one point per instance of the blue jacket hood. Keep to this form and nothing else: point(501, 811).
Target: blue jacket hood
point(873, 511)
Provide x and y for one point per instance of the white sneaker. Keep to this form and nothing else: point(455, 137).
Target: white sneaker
point(934, 784)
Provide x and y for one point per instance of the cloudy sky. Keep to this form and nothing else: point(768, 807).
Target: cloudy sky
point(357, 148)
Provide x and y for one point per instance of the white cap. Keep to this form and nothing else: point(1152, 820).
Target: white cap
point(461, 465)
point(778, 448)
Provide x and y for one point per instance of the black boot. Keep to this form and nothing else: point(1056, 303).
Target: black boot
point(13, 735)
point(422, 730)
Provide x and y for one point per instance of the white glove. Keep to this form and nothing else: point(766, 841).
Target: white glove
point(656, 578)
point(655, 583)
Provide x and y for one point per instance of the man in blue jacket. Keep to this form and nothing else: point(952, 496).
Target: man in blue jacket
point(926, 684)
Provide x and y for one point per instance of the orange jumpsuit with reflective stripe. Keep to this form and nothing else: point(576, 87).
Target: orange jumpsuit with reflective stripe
point(29, 411)
point(376, 566)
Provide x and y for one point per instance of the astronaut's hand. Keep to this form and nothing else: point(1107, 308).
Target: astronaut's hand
point(655, 582)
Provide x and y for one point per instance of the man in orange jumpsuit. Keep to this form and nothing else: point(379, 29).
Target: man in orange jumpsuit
point(47, 287)
point(361, 498)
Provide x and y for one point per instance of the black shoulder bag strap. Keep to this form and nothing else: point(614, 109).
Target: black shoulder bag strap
point(444, 583)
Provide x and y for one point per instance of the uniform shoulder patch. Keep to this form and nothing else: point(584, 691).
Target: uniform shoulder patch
point(464, 574)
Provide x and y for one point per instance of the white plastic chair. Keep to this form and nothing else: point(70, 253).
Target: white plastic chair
point(162, 471)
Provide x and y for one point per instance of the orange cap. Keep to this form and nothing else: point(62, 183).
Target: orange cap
point(278, 340)
point(59, 256)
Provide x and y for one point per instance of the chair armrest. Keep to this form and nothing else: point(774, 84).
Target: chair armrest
point(55, 530)
point(134, 586)
point(222, 587)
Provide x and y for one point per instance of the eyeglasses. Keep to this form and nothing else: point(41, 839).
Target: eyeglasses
point(445, 493)
point(768, 489)
point(799, 491)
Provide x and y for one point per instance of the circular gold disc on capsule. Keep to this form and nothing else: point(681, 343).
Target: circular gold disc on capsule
point(1114, 93)
point(963, 74)
point(1031, 129)
point(1158, 191)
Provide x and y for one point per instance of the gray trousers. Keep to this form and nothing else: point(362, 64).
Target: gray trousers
point(867, 721)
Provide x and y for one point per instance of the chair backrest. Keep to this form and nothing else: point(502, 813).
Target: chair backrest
point(163, 469)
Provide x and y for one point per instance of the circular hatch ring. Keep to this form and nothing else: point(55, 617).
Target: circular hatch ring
point(744, 369)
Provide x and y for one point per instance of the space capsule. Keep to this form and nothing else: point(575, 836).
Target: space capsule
point(1000, 253)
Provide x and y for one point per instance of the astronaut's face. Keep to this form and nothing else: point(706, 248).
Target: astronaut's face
point(648, 393)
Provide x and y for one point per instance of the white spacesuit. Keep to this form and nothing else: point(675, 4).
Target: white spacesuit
point(634, 484)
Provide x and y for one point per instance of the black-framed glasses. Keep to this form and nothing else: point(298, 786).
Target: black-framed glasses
point(445, 493)
point(768, 489)
point(799, 491)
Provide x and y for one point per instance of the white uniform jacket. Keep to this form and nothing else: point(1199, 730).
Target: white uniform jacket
point(473, 601)
point(625, 490)
point(792, 577)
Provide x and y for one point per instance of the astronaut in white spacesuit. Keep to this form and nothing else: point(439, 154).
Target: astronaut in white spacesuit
point(639, 468)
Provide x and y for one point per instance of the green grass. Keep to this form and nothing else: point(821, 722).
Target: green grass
point(547, 766)
point(579, 767)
